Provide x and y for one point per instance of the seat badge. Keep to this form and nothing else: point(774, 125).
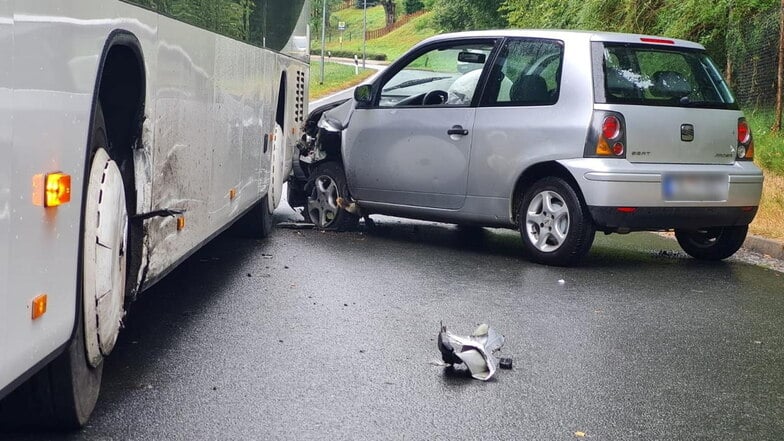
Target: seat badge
point(687, 132)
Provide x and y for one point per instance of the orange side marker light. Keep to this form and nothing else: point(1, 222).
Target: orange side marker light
point(51, 190)
point(39, 306)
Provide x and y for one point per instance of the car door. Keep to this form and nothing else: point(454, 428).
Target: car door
point(413, 145)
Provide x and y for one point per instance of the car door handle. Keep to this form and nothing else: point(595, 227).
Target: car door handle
point(457, 130)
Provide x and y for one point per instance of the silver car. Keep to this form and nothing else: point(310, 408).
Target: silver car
point(558, 134)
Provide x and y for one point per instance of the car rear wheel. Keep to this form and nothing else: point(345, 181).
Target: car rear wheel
point(329, 184)
point(715, 243)
point(555, 225)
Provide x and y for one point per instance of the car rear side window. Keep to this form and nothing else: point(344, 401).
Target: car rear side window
point(656, 76)
point(526, 73)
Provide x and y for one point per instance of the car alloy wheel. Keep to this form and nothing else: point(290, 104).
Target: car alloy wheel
point(322, 204)
point(547, 221)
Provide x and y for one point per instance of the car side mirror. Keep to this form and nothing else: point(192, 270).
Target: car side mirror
point(363, 95)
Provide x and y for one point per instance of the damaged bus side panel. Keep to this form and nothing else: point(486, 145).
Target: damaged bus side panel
point(136, 131)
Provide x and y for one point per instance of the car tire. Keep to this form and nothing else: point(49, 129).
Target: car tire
point(715, 243)
point(555, 225)
point(327, 184)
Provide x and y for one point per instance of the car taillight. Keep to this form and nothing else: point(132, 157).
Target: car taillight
point(745, 141)
point(607, 137)
point(611, 128)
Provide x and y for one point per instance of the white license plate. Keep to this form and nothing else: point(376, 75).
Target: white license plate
point(695, 188)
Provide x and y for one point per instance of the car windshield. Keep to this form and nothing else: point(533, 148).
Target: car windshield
point(655, 76)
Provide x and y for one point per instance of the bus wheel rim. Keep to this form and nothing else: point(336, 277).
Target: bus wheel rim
point(104, 254)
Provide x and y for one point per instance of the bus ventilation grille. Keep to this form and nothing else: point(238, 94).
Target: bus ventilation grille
point(299, 108)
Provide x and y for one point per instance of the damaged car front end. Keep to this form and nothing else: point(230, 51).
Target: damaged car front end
point(319, 184)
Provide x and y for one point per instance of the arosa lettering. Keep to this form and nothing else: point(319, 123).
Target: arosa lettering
point(265, 23)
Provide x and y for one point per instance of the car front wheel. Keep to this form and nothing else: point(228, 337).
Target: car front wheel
point(715, 243)
point(555, 226)
point(328, 184)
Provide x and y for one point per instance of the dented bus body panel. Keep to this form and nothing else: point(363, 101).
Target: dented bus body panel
point(209, 108)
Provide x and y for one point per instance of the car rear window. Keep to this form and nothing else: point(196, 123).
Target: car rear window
point(658, 76)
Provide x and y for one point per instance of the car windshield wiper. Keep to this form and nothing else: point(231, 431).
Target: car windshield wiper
point(416, 82)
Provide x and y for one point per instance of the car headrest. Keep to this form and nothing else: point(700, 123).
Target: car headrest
point(530, 89)
point(669, 84)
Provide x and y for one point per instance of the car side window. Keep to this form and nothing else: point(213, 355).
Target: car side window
point(526, 73)
point(444, 76)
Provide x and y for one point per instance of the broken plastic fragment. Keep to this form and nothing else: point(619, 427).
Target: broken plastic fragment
point(506, 363)
point(476, 350)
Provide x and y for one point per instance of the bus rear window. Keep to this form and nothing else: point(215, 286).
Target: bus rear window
point(656, 76)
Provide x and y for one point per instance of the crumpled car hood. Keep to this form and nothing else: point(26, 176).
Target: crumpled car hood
point(337, 119)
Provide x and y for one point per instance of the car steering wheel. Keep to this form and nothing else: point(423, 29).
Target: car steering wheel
point(435, 97)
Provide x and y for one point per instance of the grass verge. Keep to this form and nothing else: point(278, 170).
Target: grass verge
point(768, 222)
point(336, 78)
point(394, 44)
point(769, 155)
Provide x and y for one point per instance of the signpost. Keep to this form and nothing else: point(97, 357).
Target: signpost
point(341, 28)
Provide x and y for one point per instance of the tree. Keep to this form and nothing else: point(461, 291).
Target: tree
point(411, 6)
point(316, 11)
point(462, 15)
point(389, 11)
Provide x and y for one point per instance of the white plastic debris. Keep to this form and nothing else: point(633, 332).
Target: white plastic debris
point(476, 350)
point(561, 281)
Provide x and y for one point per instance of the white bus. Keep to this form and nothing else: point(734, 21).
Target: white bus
point(131, 133)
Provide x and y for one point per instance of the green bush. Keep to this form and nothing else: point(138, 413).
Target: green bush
point(411, 6)
point(350, 54)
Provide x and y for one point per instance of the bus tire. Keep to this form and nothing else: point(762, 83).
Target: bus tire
point(257, 223)
point(63, 394)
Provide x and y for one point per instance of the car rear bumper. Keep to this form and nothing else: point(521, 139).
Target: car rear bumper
point(657, 218)
point(609, 184)
point(619, 183)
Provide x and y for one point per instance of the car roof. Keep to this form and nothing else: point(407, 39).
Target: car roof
point(569, 35)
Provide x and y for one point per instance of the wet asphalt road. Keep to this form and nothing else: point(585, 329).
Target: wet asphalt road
point(311, 335)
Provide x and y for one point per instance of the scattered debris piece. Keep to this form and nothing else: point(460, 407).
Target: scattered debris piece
point(476, 350)
point(353, 208)
point(579, 434)
point(561, 281)
point(505, 363)
point(757, 342)
point(266, 256)
point(667, 254)
point(285, 267)
point(250, 275)
point(296, 225)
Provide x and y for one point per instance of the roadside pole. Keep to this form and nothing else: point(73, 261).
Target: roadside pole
point(364, 34)
point(323, 37)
